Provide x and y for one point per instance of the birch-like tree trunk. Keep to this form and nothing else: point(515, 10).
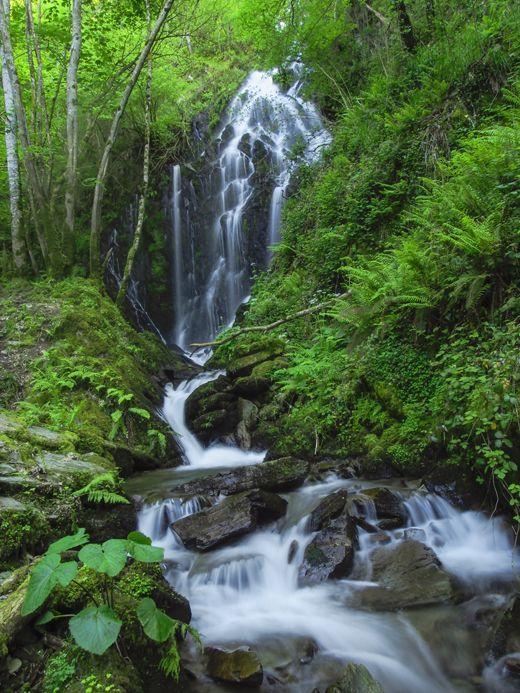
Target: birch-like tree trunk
point(72, 132)
point(35, 188)
point(136, 241)
point(13, 171)
point(95, 222)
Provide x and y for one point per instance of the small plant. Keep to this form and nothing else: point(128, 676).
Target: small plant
point(97, 626)
point(102, 489)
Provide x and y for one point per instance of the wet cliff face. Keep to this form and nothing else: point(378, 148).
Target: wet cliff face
point(225, 206)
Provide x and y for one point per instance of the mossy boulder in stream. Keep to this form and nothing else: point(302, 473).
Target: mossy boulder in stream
point(356, 679)
point(240, 666)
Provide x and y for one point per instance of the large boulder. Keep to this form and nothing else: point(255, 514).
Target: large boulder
point(244, 365)
point(389, 507)
point(241, 666)
point(356, 679)
point(282, 474)
point(233, 517)
point(330, 554)
point(328, 509)
point(408, 574)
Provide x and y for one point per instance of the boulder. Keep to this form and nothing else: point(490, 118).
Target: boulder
point(233, 517)
point(356, 679)
point(283, 474)
point(328, 509)
point(215, 424)
point(389, 507)
point(208, 397)
point(240, 666)
point(70, 469)
point(12, 593)
point(330, 554)
point(251, 385)
point(244, 365)
point(409, 574)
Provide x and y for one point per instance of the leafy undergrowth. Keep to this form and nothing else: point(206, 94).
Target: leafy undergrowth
point(71, 362)
point(415, 213)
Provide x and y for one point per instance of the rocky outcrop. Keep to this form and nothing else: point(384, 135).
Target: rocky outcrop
point(240, 666)
point(388, 505)
point(235, 516)
point(356, 679)
point(330, 554)
point(283, 474)
point(408, 574)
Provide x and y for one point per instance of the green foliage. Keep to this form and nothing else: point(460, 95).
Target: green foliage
point(102, 489)
point(59, 671)
point(97, 626)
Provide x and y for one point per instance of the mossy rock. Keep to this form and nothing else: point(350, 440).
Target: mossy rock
point(356, 679)
point(22, 528)
point(241, 666)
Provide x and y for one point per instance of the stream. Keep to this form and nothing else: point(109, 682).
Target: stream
point(249, 591)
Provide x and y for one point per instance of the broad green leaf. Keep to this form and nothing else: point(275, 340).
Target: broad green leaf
point(66, 572)
point(44, 577)
point(95, 628)
point(139, 547)
point(47, 617)
point(156, 624)
point(69, 542)
point(139, 538)
point(108, 558)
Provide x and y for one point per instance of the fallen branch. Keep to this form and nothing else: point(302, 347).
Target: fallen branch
point(272, 325)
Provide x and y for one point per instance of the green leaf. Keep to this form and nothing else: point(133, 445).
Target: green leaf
point(139, 538)
point(44, 577)
point(95, 628)
point(143, 413)
point(66, 572)
point(47, 617)
point(156, 624)
point(108, 558)
point(69, 542)
point(139, 547)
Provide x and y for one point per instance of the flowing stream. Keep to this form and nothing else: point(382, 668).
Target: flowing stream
point(248, 592)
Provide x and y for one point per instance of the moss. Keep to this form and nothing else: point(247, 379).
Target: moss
point(21, 530)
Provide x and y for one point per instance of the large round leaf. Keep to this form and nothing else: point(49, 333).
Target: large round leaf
point(95, 628)
point(42, 582)
point(69, 542)
point(156, 624)
point(140, 548)
point(108, 558)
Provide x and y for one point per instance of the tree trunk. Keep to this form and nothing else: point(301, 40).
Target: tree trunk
point(95, 222)
point(129, 265)
point(405, 26)
point(40, 115)
point(13, 172)
point(72, 133)
point(38, 197)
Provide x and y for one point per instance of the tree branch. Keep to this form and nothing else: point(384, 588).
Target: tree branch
point(272, 325)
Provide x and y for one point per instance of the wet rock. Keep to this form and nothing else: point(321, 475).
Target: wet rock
point(130, 460)
point(9, 505)
point(505, 632)
point(330, 554)
point(415, 533)
point(251, 385)
point(380, 538)
point(244, 365)
point(512, 666)
point(215, 424)
point(356, 679)
point(283, 474)
point(293, 549)
point(233, 517)
point(328, 509)
point(70, 468)
point(389, 507)
point(104, 522)
point(248, 416)
point(240, 666)
point(310, 649)
point(409, 574)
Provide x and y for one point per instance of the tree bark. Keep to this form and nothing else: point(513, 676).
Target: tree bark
point(95, 222)
point(40, 115)
point(129, 265)
point(405, 26)
point(35, 190)
point(19, 249)
point(72, 132)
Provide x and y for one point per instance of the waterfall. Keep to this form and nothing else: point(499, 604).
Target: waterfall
point(226, 213)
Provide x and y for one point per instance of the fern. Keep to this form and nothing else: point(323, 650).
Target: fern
point(102, 490)
point(170, 663)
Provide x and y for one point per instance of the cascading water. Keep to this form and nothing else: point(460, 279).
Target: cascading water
point(248, 592)
point(221, 230)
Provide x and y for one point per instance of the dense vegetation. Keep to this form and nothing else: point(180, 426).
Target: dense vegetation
point(415, 214)
point(405, 234)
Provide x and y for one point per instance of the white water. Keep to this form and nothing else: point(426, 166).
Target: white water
point(248, 592)
point(213, 252)
point(195, 454)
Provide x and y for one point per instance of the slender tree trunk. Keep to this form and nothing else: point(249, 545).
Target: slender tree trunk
point(72, 133)
point(40, 115)
point(38, 195)
point(95, 223)
point(136, 241)
point(13, 171)
point(405, 26)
